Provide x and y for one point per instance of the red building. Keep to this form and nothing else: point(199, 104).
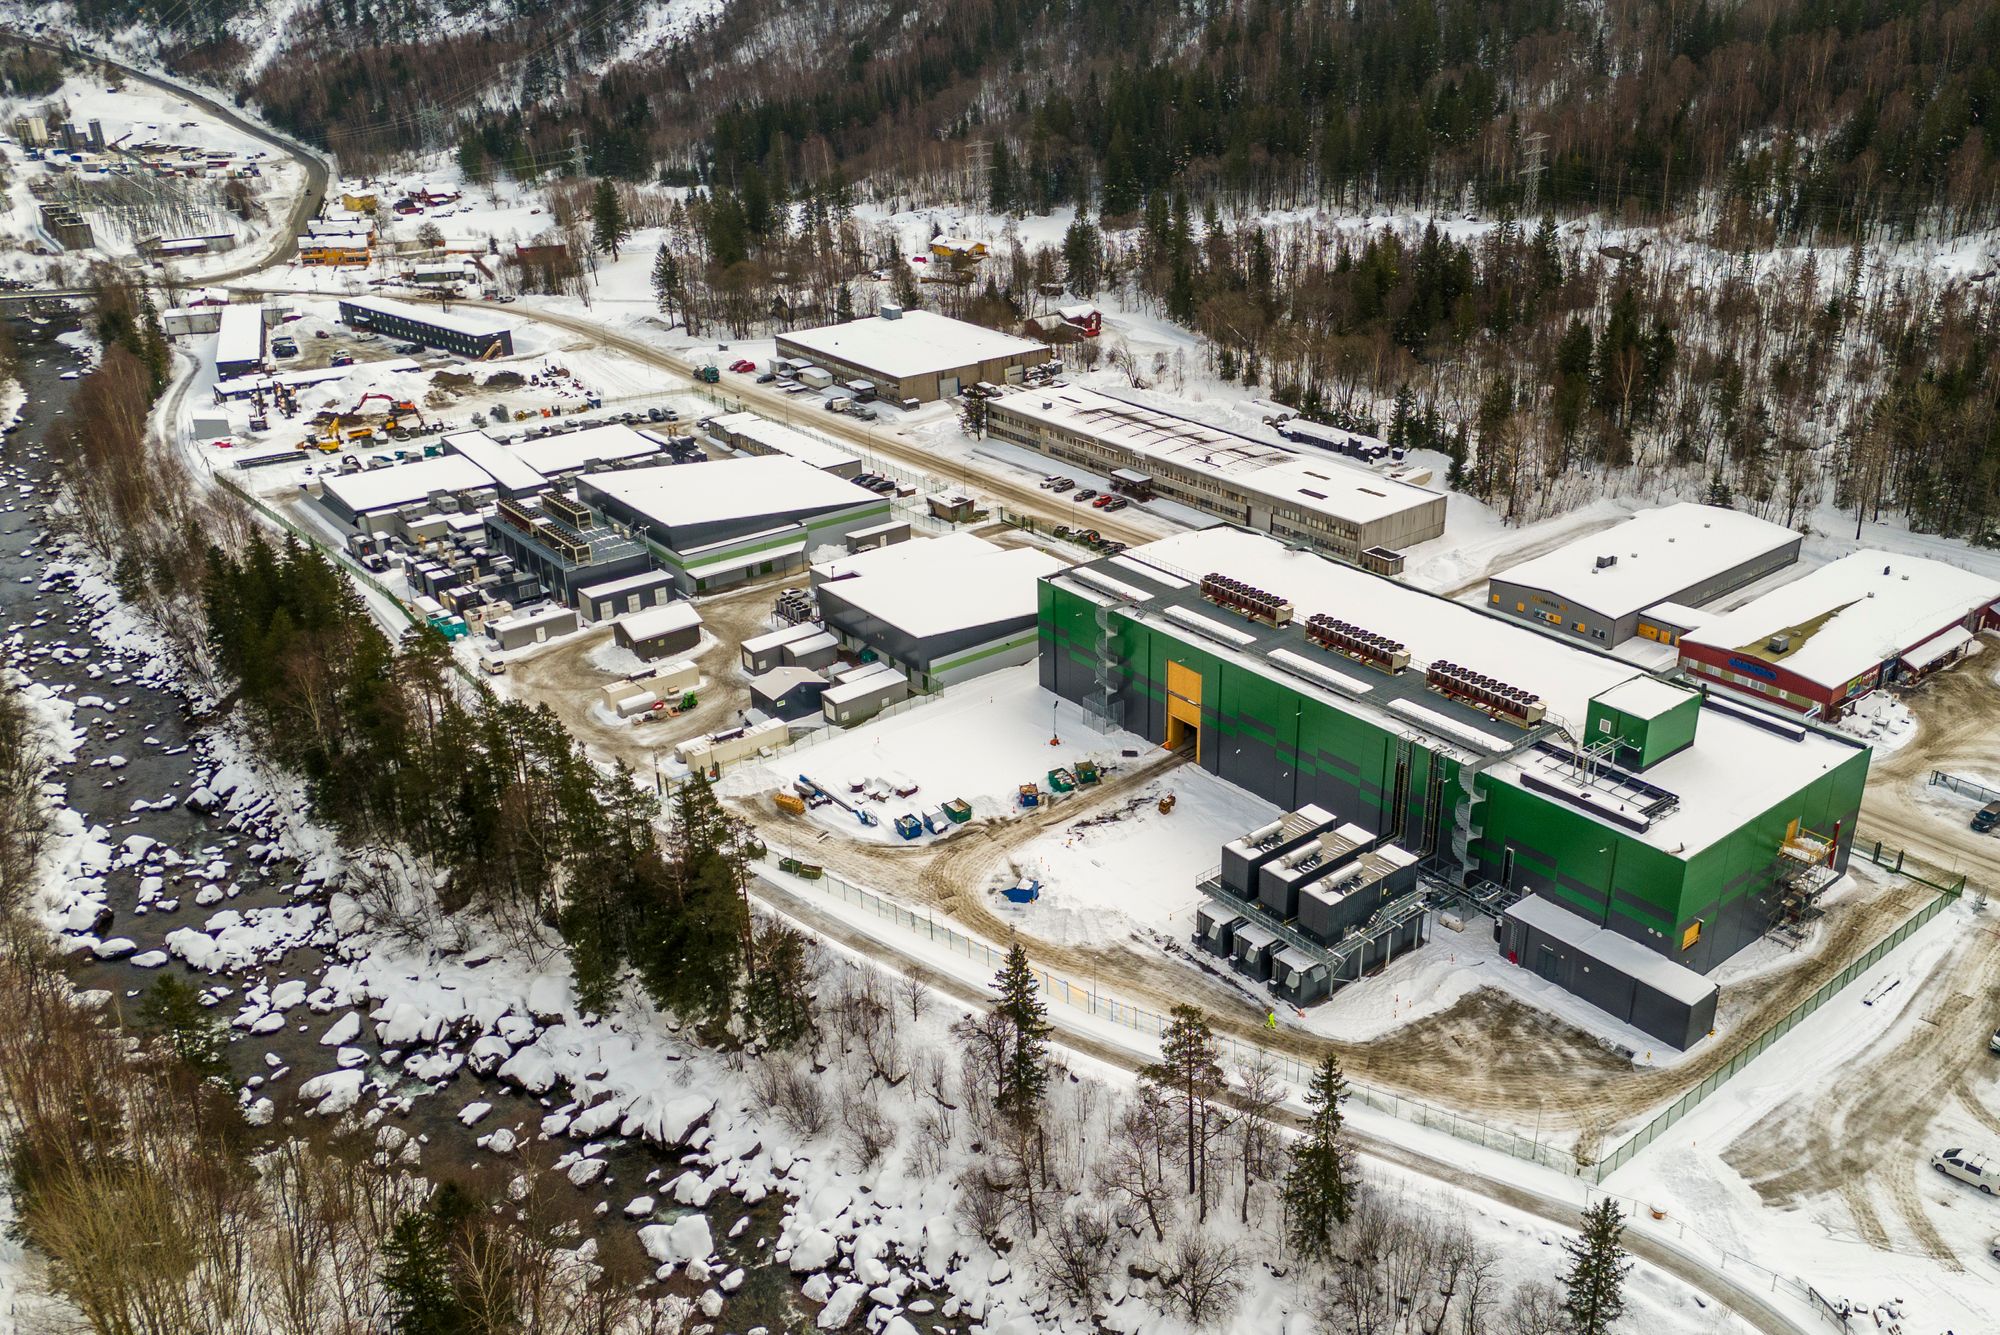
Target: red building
point(1825, 640)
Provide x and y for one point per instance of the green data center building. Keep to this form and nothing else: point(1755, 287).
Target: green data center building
point(1528, 770)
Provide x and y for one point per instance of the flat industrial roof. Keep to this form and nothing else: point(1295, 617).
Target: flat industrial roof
point(1850, 615)
point(645, 579)
point(1316, 482)
point(788, 441)
point(1734, 765)
point(239, 335)
point(578, 450)
point(506, 467)
point(859, 688)
point(674, 494)
point(476, 326)
point(1657, 554)
point(934, 586)
point(916, 343)
point(377, 489)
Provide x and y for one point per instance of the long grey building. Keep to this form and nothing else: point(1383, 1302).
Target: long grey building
point(1334, 507)
point(1646, 576)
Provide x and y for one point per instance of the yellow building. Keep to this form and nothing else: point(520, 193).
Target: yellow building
point(359, 203)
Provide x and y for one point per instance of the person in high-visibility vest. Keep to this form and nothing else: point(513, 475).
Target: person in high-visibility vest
point(1271, 1020)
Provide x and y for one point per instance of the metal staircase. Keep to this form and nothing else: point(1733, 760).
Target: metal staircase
point(1105, 700)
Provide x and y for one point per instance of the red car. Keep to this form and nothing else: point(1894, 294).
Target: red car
point(742, 366)
point(1101, 502)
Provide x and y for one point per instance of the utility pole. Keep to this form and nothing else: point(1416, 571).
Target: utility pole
point(430, 126)
point(576, 164)
point(1533, 145)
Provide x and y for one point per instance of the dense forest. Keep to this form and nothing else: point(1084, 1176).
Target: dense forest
point(1815, 117)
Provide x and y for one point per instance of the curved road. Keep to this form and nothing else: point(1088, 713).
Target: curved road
point(1751, 1305)
point(285, 244)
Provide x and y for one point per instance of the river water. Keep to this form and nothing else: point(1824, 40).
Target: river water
point(143, 754)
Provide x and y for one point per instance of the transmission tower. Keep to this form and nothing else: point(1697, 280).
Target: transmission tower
point(978, 169)
point(1533, 145)
point(576, 162)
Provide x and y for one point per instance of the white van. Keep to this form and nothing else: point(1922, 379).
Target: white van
point(1972, 1169)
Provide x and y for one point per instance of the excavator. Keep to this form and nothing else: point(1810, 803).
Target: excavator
point(346, 429)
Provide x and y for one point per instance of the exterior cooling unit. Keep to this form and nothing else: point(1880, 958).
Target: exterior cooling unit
point(1351, 641)
point(1246, 599)
point(1486, 693)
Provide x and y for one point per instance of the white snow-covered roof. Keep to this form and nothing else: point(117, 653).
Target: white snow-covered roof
point(1734, 766)
point(777, 438)
point(664, 619)
point(473, 324)
point(1850, 615)
point(1282, 477)
point(239, 336)
point(940, 585)
point(506, 466)
point(916, 343)
point(724, 489)
point(776, 639)
point(946, 548)
point(1563, 674)
point(1645, 697)
point(1678, 614)
point(387, 488)
point(862, 687)
point(1659, 553)
point(1621, 952)
point(556, 455)
point(1937, 646)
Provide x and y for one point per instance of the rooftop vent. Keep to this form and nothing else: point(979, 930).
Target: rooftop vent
point(1779, 644)
point(1606, 562)
point(891, 311)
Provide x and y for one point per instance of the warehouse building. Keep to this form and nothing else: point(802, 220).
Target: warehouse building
point(721, 523)
point(747, 433)
point(1331, 506)
point(239, 341)
point(633, 593)
point(369, 500)
point(914, 354)
point(469, 335)
point(941, 610)
point(1827, 639)
point(1644, 576)
point(1691, 826)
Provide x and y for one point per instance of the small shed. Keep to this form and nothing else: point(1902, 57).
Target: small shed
point(1133, 483)
point(672, 630)
point(537, 626)
point(813, 651)
point(863, 697)
point(634, 593)
point(788, 692)
point(878, 535)
point(1634, 983)
point(953, 507)
point(763, 652)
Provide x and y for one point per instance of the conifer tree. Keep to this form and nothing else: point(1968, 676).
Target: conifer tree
point(1024, 1066)
point(1189, 1074)
point(608, 225)
point(1319, 1186)
point(1594, 1286)
point(173, 1010)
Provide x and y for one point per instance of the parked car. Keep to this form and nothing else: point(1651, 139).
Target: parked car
point(1061, 485)
point(1988, 816)
point(491, 666)
point(1116, 503)
point(766, 378)
point(1088, 493)
point(742, 366)
point(284, 347)
point(321, 333)
point(1049, 481)
point(410, 349)
point(1974, 1170)
point(655, 415)
point(1102, 501)
point(342, 359)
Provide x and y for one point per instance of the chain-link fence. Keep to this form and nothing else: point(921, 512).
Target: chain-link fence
point(1101, 1005)
point(1691, 1100)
